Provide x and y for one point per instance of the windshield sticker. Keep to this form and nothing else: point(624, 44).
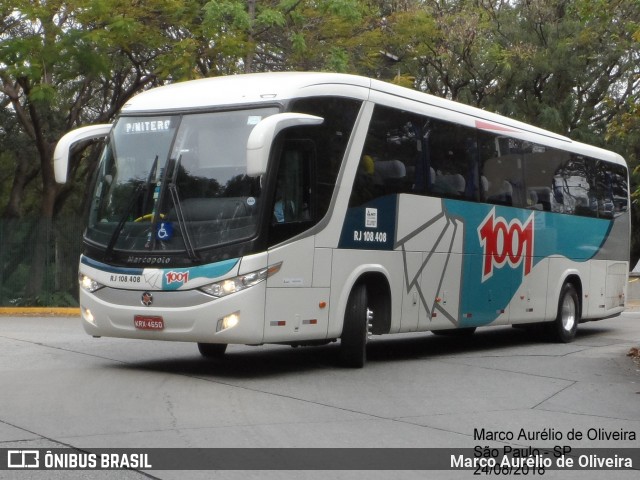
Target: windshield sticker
point(251, 201)
point(147, 126)
point(371, 218)
point(254, 119)
point(165, 231)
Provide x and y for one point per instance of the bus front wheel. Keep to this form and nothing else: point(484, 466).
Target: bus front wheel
point(355, 330)
point(212, 350)
point(563, 329)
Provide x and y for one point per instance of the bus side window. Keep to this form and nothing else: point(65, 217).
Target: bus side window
point(392, 152)
point(309, 161)
point(293, 207)
point(293, 183)
point(502, 171)
point(611, 188)
point(331, 139)
point(452, 156)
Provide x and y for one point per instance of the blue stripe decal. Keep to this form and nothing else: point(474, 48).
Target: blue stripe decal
point(109, 268)
point(489, 281)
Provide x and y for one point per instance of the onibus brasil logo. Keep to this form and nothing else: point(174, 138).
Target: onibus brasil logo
point(504, 243)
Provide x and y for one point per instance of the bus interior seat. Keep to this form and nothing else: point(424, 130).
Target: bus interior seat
point(391, 176)
point(390, 169)
point(504, 196)
point(485, 184)
point(543, 195)
point(452, 184)
point(532, 201)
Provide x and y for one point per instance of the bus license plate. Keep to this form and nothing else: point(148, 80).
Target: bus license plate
point(146, 322)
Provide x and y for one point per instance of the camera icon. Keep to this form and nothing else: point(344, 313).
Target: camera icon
point(23, 459)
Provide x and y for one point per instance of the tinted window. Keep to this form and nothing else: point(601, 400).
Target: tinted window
point(453, 160)
point(308, 163)
point(611, 189)
point(330, 140)
point(391, 155)
point(409, 153)
point(502, 170)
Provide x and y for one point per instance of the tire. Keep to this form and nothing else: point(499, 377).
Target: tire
point(455, 332)
point(353, 342)
point(212, 350)
point(563, 329)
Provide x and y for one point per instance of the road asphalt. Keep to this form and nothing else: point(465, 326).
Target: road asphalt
point(501, 387)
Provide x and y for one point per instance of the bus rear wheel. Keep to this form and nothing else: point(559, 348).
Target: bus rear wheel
point(563, 329)
point(357, 318)
point(212, 350)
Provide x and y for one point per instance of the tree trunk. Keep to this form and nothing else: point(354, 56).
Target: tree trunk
point(248, 60)
point(24, 174)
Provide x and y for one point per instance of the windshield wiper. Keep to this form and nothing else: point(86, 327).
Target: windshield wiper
point(175, 198)
point(140, 189)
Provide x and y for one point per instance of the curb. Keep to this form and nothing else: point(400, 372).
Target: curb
point(40, 311)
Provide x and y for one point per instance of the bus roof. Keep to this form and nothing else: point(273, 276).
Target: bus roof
point(254, 89)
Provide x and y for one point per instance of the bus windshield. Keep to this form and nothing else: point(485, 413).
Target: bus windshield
point(176, 183)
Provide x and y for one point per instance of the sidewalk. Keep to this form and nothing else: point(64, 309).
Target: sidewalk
point(633, 305)
point(40, 311)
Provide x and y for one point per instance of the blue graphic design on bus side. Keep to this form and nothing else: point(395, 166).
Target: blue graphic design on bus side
point(503, 244)
point(109, 268)
point(370, 226)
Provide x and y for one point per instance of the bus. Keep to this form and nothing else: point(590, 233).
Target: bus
point(307, 208)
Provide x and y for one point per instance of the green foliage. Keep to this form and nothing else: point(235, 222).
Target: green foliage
point(349, 10)
point(298, 43)
point(232, 14)
point(337, 60)
point(270, 17)
point(572, 67)
point(43, 94)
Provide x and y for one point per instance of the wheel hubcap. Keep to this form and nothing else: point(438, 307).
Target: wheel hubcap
point(568, 313)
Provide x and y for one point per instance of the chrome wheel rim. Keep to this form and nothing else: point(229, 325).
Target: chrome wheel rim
point(568, 313)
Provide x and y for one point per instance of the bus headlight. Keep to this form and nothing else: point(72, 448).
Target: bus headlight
point(241, 282)
point(88, 283)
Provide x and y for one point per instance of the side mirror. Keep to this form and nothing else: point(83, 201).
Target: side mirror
point(262, 135)
point(66, 143)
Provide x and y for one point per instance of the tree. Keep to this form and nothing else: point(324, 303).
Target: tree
point(570, 66)
point(65, 64)
point(251, 36)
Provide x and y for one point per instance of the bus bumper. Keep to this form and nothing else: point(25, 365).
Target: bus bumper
point(185, 315)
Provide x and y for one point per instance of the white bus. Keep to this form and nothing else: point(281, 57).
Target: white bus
point(305, 208)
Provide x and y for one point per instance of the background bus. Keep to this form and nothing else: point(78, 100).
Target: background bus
point(302, 208)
